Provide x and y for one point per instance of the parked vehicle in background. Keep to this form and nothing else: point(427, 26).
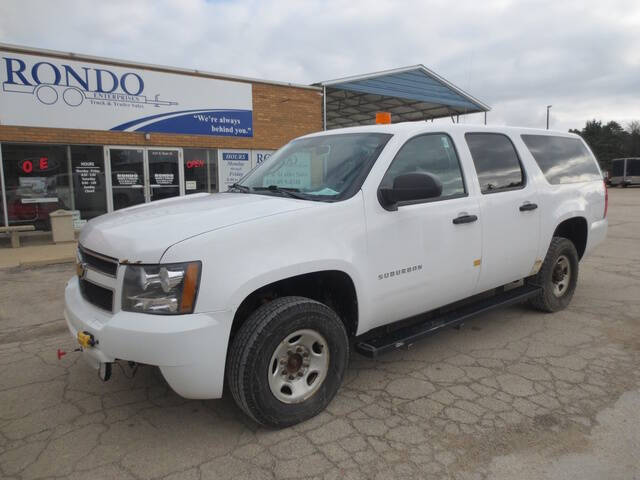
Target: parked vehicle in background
point(367, 238)
point(625, 172)
point(31, 203)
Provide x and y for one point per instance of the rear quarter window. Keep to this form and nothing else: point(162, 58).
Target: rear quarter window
point(562, 159)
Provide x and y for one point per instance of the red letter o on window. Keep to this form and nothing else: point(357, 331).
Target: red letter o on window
point(27, 166)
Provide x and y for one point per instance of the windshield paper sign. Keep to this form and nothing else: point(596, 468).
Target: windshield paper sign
point(58, 93)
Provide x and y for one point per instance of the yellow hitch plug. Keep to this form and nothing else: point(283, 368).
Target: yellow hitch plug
point(86, 340)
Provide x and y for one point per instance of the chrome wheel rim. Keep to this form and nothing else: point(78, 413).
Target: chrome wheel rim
point(561, 276)
point(298, 366)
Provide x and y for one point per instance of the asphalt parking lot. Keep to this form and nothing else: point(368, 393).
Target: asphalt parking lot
point(513, 394)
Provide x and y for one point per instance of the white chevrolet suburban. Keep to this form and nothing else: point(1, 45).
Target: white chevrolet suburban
point(365, 238)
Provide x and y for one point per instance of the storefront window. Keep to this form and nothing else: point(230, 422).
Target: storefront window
point(40, 179)
point(127, 177)
point(164, 173)
point(200, 172)
point(36, 182)
point(89, 189)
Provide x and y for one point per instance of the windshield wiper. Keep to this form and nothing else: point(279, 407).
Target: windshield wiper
point(239, 188)
point(289, 192)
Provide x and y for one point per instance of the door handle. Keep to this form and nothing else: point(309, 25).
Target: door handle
point(525, 207)
point(465, 219)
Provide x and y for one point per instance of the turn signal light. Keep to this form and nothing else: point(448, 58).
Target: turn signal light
point(190, 287)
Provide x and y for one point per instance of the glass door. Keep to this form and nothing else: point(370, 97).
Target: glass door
point(128, 177)
point(164, 173)
point(141, 175)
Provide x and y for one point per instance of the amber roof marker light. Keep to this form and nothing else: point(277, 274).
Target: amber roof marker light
point(383, 118)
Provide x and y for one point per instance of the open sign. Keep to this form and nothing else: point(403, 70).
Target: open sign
point(38, 165)
point(195, 163)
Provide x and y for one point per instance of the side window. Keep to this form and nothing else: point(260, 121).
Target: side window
point(633, 167)
point(431, 153)
point(562, 159)
point(617, 167)
point(496, 161)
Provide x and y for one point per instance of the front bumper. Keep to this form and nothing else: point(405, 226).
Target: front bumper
point(190, 350)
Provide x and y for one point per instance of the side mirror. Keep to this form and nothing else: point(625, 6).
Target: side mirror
point(410, 187)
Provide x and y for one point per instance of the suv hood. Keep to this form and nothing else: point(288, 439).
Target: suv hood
point(144, 232)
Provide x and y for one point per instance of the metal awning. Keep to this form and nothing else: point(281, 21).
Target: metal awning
point(409, 93)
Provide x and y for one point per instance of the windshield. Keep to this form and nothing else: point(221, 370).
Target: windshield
point(328, 167)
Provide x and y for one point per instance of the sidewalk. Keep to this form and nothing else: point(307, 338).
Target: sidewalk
point(35, 255)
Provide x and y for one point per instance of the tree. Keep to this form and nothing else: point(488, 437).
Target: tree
point(634, 138)
point(610, 140)
point(634, 127)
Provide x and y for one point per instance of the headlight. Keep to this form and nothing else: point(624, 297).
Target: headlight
point(161, 289)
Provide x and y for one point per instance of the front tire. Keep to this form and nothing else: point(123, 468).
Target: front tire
point(558, 276)
point(287, 361)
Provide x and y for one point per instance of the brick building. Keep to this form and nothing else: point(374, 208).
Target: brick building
point(94, 135)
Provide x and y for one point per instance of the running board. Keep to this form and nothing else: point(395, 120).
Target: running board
point(404, 337)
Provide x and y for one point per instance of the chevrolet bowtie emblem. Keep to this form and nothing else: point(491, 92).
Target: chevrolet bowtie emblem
point(81, 269)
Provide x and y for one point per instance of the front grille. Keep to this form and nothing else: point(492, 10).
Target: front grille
point(99, 296)
point(99, 262)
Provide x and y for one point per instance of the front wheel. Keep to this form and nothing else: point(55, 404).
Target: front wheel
point(558, 276)
point(287, 361)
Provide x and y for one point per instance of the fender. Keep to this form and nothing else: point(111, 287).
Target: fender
point(237, 261)
point(564, 210)
point(253, 284)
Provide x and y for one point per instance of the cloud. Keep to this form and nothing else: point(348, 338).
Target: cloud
point(518, 57)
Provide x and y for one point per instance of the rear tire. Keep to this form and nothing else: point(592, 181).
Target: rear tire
point(558, 277)
point(287, 361)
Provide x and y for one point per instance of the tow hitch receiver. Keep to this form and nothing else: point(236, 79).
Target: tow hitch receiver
point(86, 340)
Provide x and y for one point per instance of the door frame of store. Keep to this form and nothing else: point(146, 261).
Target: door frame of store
point(145, 163)
point(3, 192)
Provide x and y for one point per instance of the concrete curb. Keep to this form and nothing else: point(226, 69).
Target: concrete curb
point(38, 263)
point(38, 255)
point(52, 261)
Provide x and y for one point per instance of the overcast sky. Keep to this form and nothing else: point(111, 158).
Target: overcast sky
point(582, 57)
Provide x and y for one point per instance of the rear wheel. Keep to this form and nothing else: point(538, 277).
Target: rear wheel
point(558, 276)
point(287, 361)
